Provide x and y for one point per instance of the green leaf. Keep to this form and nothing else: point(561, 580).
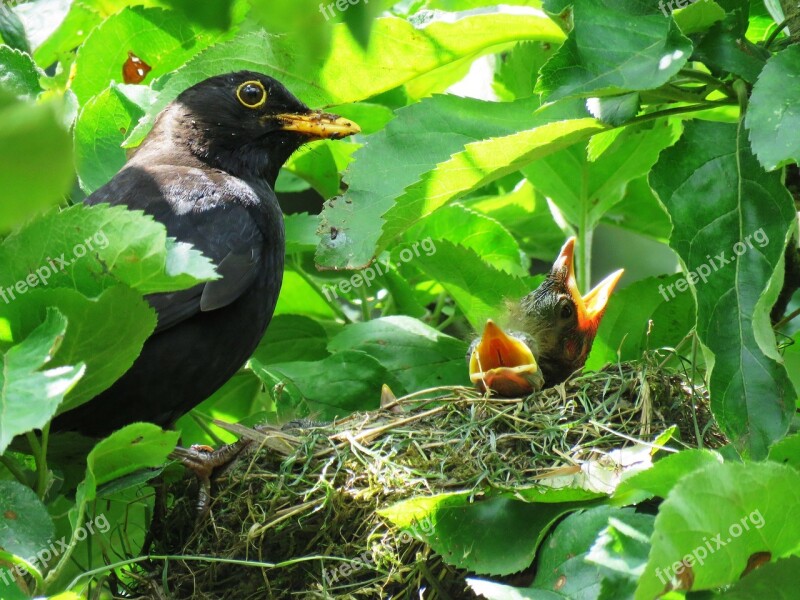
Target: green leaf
point(773, 115)
point(488, 237)
point(615, 46)
point(499, 591)
point(647, 314)
point(418, 355)
point(35, 160)
point(479, 290)
point(698, 16)
point(12, 32)
point(774, 580)
point(640, 211)
point(162, 39)
point(495, 536)
point(71, 33)
point(525, 212)
point(99, 132)
point(29, 396)
point(19, 75)
point(518, 69)
point(91, 248)
point(334, 386)
point(26, 528)
point(585, 190)
point(621, 552)
point(787, 451)
point(292, 338)
point(723, 50)
point(134, 447)
point(722, 204)
point(96, 335)
point(299, 297)
point(426, 157)
point(301, 232)
point(659, 479)
point(614, 110)
point(716, 518)
point(480, 163)
point(350, 72)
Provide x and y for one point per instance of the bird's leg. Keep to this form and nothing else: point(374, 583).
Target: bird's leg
point(203, 461)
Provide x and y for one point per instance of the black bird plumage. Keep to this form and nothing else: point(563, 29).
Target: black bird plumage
point(207, 171)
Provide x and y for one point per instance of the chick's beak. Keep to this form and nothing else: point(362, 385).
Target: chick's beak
point(589, 308)
point(504, 364)
point(318, 125)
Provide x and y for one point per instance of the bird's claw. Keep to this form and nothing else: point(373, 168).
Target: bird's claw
point(203, 460)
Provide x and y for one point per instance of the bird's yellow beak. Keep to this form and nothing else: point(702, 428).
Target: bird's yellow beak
point(503, 364)
point(589, 308)
point(318, 125)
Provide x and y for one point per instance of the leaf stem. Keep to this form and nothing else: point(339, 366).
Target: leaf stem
point(786, 319)
point(776, 32)
point(14, 468)
point(677, 110)
point(313, 284)
point(708, 78)
point(39, 451)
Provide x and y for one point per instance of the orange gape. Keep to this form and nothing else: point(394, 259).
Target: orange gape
point(556, 327)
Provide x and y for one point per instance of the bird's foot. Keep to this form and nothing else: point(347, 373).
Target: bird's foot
point(203, 461)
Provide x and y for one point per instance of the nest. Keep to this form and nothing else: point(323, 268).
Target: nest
point(286, 518)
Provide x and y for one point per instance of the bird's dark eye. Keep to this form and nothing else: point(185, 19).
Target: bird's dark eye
point(566, 310)
point(252, 94)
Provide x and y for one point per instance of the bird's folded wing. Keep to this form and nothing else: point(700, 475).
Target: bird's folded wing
point(205, 210)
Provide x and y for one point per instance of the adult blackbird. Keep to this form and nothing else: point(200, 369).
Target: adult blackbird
point(207, 172)
point(553, 330)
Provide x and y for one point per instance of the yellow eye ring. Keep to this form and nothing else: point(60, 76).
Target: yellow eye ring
point(248, 90)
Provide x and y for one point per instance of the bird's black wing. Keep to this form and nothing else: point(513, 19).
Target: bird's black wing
point(211, 210)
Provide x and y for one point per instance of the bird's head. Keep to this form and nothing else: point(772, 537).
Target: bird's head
point(246, 123)
point(557, 324)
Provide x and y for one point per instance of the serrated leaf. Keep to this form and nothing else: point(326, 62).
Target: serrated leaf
point(19, 75)
point(71, 33)
point(486, 236)
point(586, 190)
point(104, 333)
point(615, 46)
point(719, 517)
point(100, 128)
point(91, 248)
point(162, 39)
point(351, 72)
point(418, 355)
point(426, 157)
point(479, 290)
point(30, 396)
point(773, 115)
point(719, 198)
